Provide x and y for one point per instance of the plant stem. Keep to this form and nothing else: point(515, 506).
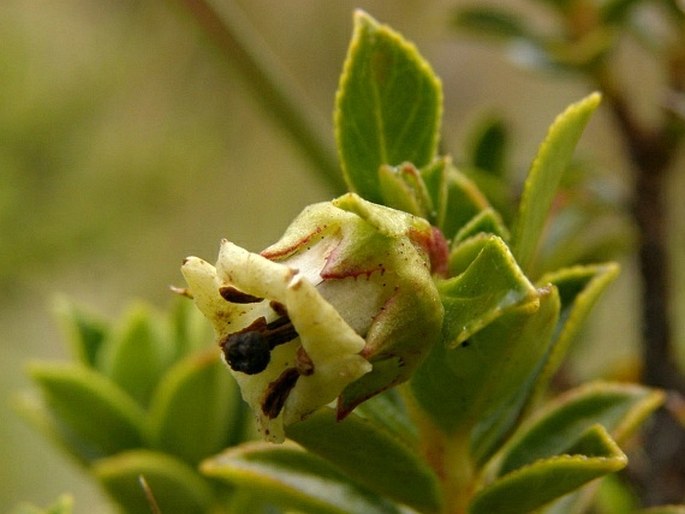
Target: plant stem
point(652, 152)
point(271, 85)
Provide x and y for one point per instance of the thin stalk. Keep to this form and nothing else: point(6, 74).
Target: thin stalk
point(233, 35)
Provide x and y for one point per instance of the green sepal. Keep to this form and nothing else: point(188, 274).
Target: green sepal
point(137, 354)
point(579, 288)
point(175, 486)
point(478, 389)
point(289, 477)
point(491, 284)
point(84, 331)
point(371, 455)
point(388, 106)
point(620, 408)
point(591, 455)
point(196, 410)
point(551, 161)
point(92, 415)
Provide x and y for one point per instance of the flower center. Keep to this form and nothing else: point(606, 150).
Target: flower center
point(249, 350)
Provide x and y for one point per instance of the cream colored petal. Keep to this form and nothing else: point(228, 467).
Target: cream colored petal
point(252, 273)
point(332, 346)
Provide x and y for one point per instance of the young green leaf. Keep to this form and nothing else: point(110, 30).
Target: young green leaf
point(84, 331)
point(491, 284)
point(591, 455)
point(490, 21)
point(552, 158)
point(137, 354)
point(579, 288)
point(490, 147)
point(290, 477)
point(617, 407)
point(63, 505)
point(174, 486)
point(388, 106)
point(94, 417)
point(196, 410)
point(371, 455)
point(487, 221)
point(463, 201)
point(480, 387)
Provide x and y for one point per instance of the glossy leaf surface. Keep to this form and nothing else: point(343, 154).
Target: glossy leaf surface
point(388, 106)
point(371, 455)
point(589, 456)
point(176, 487)
point(290, 477)
point(94, 417)
point(197, 409)
point(617, 407)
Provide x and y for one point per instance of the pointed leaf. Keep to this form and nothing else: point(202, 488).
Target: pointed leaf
point(487, 221)
point(370, 455)
point(489, 21)
point(84, 331)
point(196, 410)
point(617, 407)
point(389, 410)
point(482, 385)
point(175, 486)
point(402, 188)
point(491, 284)
point(291, 477)
point(63, 505)
point(94, 417)
point(552, 158)
point(137, 354)
point(464, 201)
point(593, 455)
point(388, 106)
point(579, 288)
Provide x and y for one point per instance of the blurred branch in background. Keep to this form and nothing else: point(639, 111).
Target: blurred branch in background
point(587, 36)
point(234, 37)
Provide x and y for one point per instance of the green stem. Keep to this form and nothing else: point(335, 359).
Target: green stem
point(271, 85)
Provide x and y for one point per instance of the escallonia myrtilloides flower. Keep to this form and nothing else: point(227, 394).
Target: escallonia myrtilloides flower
point(342, 307)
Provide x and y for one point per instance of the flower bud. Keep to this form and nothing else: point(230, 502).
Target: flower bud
point(342, 306)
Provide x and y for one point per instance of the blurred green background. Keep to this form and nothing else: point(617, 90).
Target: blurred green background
point(127, 143)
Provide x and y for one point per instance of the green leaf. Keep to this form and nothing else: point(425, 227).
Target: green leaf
point(463, 201)
point(63, 505)
point(137, 354)
point(371, 455)
point(291, 477)
point(402, 188)
point(92, 415)
point(487, 221)
point(84, 331)
point(190, 330)
point(480, 387)
point(388, 106)
point(617, 407)
point(552, 158)
point(592, 455)
point(389, 410)
point(491, 284)
point(489, 21)
point(175, 486)
point(196, 410)
point(579, 288)
point(489, 146)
